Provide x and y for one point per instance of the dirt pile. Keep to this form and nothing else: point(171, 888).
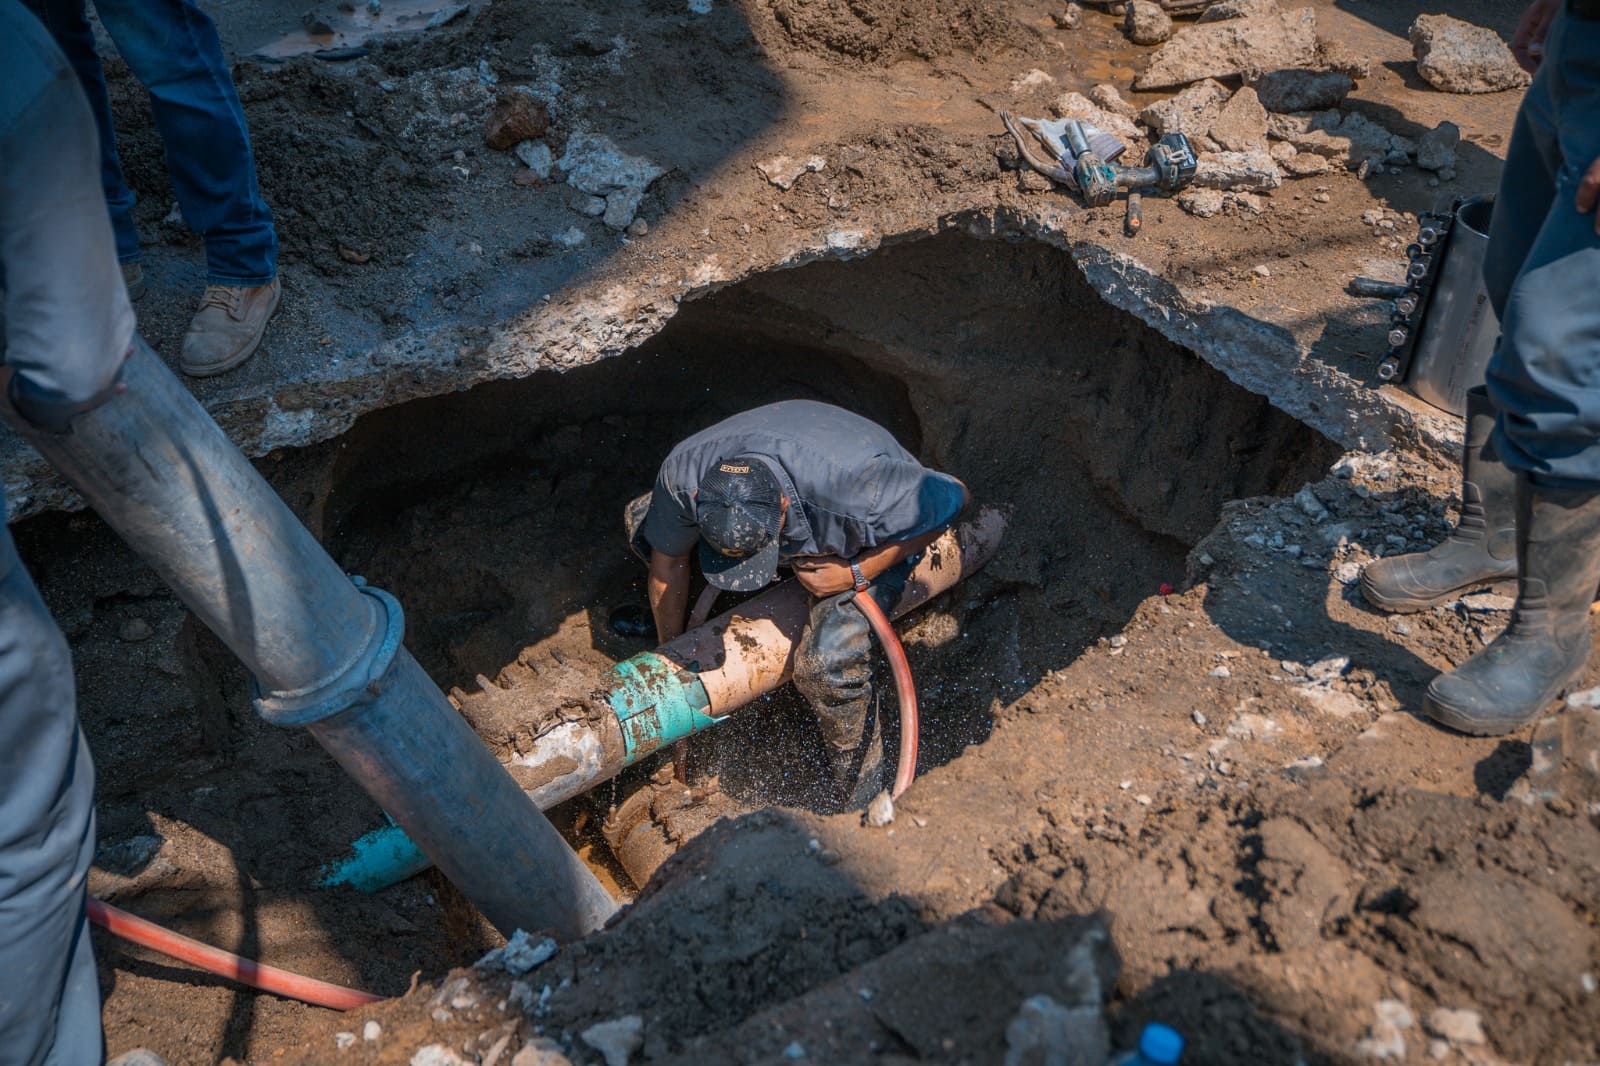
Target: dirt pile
point(883, 32)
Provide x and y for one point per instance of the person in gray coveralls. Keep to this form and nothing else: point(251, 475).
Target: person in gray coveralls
point(1531, 486)
point(826, 493)
point(66, 331)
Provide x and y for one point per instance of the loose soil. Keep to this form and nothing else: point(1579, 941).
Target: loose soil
point(1141, 710)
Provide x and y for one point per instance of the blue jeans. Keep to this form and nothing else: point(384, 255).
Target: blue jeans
point(49, 990)
point(173, 49)
point(1542, 269)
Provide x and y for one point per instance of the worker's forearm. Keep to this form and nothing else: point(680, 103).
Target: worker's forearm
point(875, 561)
point(668, 587)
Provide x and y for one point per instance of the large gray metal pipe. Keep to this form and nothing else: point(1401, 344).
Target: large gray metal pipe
point(325, 652)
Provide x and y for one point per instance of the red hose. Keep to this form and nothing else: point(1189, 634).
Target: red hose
point(910, 725)
point(224, 963)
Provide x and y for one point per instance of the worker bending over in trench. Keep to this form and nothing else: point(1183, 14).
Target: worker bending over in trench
point(821, 491)
point(65, 331)
point(1530, 494)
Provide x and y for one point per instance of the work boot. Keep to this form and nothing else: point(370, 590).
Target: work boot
point(1546, 646)
point(857, 774)
point(1481, 550)
point(228, 328)
point(133, 281)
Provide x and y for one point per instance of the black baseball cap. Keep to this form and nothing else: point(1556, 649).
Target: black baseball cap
point(739, 510)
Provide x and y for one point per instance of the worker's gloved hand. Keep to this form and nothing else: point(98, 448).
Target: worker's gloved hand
point(824, 575)
point(1589, 192)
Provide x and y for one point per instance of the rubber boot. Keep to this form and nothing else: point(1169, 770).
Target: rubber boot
point(1546, 647)
point(1479, 551)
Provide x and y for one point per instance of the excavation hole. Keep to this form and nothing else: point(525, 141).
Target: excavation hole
point(495, 514)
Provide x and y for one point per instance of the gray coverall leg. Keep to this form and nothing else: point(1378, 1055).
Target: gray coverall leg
point(49, 989)
point(1542, 270)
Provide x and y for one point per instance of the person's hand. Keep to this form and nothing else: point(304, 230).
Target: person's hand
point(824, 575)
point(1527, 44)
point(1589, 192)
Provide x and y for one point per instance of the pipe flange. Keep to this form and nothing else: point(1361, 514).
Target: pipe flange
point(354, 685)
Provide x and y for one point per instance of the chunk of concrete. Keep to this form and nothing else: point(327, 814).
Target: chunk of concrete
point(1045, 1033)
point(1335, 53)
point(1190, 112)
point(617, 1039)
point(1304, 164)
point(1145, 23)
point(1437, 148)
point(1287, 91)
point(1237, 170)
point(1076, 105)
point(1464, 1028)
point(783, 171)
point(1458, 57)
point(1106, 96)
point(1223, 10)
point(1232, 47)
point(1241, 125)
point(593, 164)
point(1201, 203)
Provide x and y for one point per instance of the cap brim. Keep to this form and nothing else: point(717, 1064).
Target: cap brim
point(745, 573)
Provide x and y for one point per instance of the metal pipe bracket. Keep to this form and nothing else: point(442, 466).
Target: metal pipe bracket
point(356, 683)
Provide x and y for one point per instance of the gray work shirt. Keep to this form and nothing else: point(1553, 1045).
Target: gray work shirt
point(66, 323)
point(850, 485)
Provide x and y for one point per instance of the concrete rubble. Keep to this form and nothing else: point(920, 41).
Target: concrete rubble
point(1232, 47)
point(1222, 10)
point(1190, 112)
point(1457, 57)
point(1045, 1033)
point(593, 164)
point(783, 171)
point(1145, 23)
point(1297, 89)
point(1076, 105)
point(616, 1040)
point(1436, 149)
point(1254, 170)
point(1108, 98)
point(1241, 125)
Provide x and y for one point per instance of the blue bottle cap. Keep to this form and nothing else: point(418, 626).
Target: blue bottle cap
point(1161, 1044)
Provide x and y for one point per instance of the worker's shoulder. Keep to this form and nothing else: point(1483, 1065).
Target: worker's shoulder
point(30, 62)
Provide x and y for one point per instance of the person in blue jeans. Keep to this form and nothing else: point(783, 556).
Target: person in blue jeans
point(173, 49)
point(1537, 475)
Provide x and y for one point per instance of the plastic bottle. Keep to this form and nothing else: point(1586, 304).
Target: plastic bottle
point(1159, 1045)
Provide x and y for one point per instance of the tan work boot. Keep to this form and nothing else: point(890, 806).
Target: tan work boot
point(228, 328)
point(133, 281)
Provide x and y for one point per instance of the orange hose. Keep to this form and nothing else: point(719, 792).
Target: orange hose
point(910, 724)
point(224, 963)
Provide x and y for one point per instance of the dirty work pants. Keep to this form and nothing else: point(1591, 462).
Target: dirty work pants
point(833, 669)
point(173, 49)
point(49, 990)
point(1542, 269)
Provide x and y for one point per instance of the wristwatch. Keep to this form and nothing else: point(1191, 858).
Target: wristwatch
point(857, 576)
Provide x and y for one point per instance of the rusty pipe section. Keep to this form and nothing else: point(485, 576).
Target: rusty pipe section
point(685, 686)
point(326, 652)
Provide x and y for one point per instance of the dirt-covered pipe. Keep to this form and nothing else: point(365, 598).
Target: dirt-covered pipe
point(681, 688)
point(325, 652)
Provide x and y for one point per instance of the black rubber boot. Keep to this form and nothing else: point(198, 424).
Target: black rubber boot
point(1546, 647)
point(1480, 551)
